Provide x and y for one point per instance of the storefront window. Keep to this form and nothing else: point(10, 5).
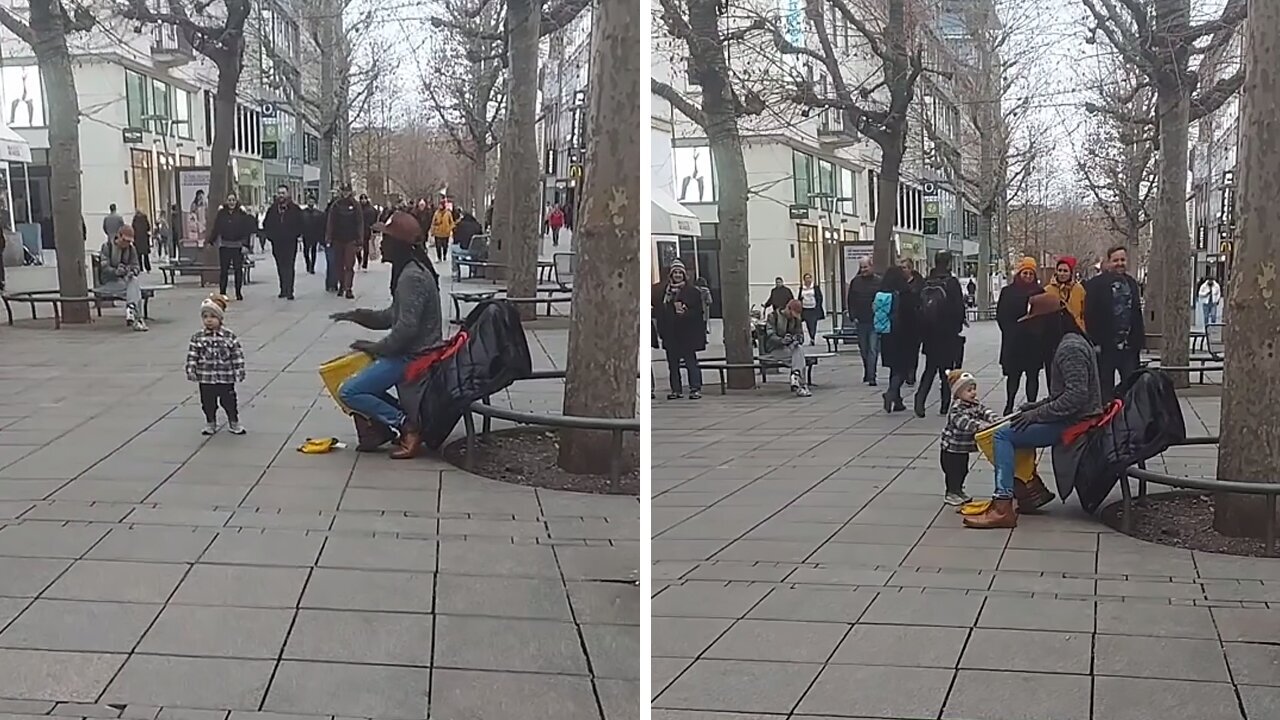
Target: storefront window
point(182, 114)
point(159, 106)
point(827, 184)
point(802, 173)
point(808, 240)
point(23, 96)
point(848, 192)
point(137, 97)
point(140, 162)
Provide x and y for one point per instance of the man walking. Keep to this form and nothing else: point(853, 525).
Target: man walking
point(915, 283)
point(112, 223)
point(1210, 294)
point(1113, 319)
point(283, 226)
point(344, 229)
point(369, 214)
point(312, 235)
point(233, 230)
point(862, 291)
point(941, 319)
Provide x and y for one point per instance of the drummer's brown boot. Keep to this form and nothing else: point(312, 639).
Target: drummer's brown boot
point(410, 443)
point(1000, 514)
point(1033, 495)
point(371, 435)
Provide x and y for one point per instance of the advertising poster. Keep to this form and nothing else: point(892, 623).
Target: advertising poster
point(193, 201)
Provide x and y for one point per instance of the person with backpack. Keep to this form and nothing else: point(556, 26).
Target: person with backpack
point(1020, 353)
point(941, 320)
point(897, 321)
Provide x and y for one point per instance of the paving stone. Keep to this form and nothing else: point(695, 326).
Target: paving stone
point(132, 582)
point(179, 517)
point(285, 497)
point(737, 685)
point(362, 691)
point(10, 608)
point(1037, 614)
point(605, 603)
point(768, 550)
point(218, 632)
point(955, 558)
point(479, 557)
point(985, 695)
point(598, 563)
point(511, 696)
point(380, 554)
point(361, 637)
point(707, 600)
point(357, 498)
point(685, 637)
point(133, 711)
point(186, 682)
point(369, 590)
point(86, 710)
point(199, 495)
point(153, 544)
point(1247, 625)
point(877, 692)
point(80, 512)
point(1146, 699)
point(247, 715)
point(1049, 561)
point(1254, 664)
point(79, 626)
point(270, 548)
point(56, 676)
point(665, 670)
point(281, 520)
point(189, 714)
point(614, 651)
point(1162, 657)
point(778, 640)
point(34, 707)
point(28, 577)
point(620, 699)
point(901, 645)
point(109, 491)
point(841, 575)
point(1155, 590)
point(941, 608)
point(861, 554)
point(1028, 651)
point(503, 597)
point(1260, 703)
point(502, 644)
point(242, 586)
point(48, 540)
point(1149, 620)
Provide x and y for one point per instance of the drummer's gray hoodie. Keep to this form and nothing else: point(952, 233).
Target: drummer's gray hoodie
point(413, 318)
point(1074, 390)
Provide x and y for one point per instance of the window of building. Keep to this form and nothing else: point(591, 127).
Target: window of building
point(140, 161)
point(807, 235)
point(872, 196)
point(695, 174)
point(827, 185)
point(848, 192)
point(802, 174)
point(137, 93)
point(160, 106)
point(182, 114)
point(208, 118)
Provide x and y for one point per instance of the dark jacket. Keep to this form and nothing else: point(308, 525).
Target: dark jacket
point(900, 349)
point(941, 342)
point(233, 228)
point(779, 296)
point(284, 224)
point(344, 223)
point(1020, 350)
point(1099, 318)
point(370, 218)
point(413, 317)
point(313, 221)
point(467, 228)
point(683, 333)
point(141, 233)
point(862, 290)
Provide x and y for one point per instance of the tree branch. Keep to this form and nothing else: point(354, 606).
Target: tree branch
point(1210, 99)
point(679, 102)
point(15, 25)
point(1232, 15)
point(1119, 115)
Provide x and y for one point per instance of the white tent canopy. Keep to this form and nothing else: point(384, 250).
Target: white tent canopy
point(12, 147)
point(671, 218)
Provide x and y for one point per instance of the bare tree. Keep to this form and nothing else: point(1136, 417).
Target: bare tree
point(1251, 387)
point(1158, 38)
point(49, 23)
point(604, 339)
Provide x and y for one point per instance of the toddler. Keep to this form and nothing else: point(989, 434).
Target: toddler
point(216, 361)
point(966, 417)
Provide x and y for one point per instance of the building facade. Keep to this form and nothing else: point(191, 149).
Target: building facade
point(565, 73)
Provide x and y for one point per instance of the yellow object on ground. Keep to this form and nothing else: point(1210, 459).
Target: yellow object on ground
point(339, 370)
point(1024, 459)
point(974, 507)
point(319, 446)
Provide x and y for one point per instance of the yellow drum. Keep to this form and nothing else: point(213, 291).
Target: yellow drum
point(1024, 459)
point(339, 370)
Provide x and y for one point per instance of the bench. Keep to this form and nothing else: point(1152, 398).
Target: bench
point(535, 301)
point(53, 297)
point(468, 296)
point(844, 335)
point(148, 292)
point(546, 270)
point(171, 271)
point(1206, 365)
point(722, 366)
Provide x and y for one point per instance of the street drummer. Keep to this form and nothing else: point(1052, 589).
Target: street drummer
point(966, 417)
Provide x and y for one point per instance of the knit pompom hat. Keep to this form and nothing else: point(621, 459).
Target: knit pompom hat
point(215, 305)
point(1027, 263)
point(960, 380)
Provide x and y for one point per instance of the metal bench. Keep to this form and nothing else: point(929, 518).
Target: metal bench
point(763, 364)
point(535, 301)
point(53, 298)
point(844, 335)
point(171, 271)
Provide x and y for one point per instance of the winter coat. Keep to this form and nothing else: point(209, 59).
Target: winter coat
point(370, 219)
point(345, 222)
point(284, 223)
point(941, 341)
point(313, 221)
point(442, 224)
point(233, 227)
point(413, 317)
point(683, 333)
point(779, 296)
point(1020, 349)
point(111, 225)
point(862, 290)
point(556, 219)
point(900, 347)
point(1100, 315)
point(467, 228)
point(1072, 296)
point(141, 233)
point(116, 263)
point(782, 331)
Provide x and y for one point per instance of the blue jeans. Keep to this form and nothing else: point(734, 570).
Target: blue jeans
point(869, 346)
point(331, 270)
point(1007, 440)
point(366, 392)
point(1210, 314)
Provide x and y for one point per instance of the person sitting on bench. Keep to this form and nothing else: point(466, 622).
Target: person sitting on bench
point(784, 342)
point(118, 275)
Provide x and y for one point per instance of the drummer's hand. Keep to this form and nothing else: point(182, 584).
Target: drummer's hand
point(364, 346)
point(340, 316)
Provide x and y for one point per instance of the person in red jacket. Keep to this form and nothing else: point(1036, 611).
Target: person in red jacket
point(555, 221)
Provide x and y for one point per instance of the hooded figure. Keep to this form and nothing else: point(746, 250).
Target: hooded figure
point(1019, 353)
point(677, 313)
point(1066, 288)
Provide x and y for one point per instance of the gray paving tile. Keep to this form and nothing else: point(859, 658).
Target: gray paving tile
point(947, 609)
point(614, 651)
point(778, 640)
point(1015, 613)
point(877, 692)
point(1049, 561)
point(1163, 658)
point(56, 676)
point(480, 557)
point(72, 511)
point(1146, 699)
point(361, 637)
point(286, 497)
point(1254, 664)
point(663, 671)
point(599, 563)
point(1150, 620)
point(242, 586)
point(289, 549)
point(131, 582)
point(1247, 625)
point(901, 645)
point(620, 699)
point(153, 544)
point(707, 600)
point(185, 682)
point(1028, 651)
point(179, 517)
point(1260, 703)
point(505, 597)
point(984, 695)
point(28, 577)
point(502, 644)
point(511, 696)
point(605, 603)
point(111, 491)
point(737, 685)
point(332, 589)
point(955, 558)
point(381, 554)
point(218, 632)
point(79, 626)
point(369, 691)
point(685, 637)
point(10, 608)
point(48, 540)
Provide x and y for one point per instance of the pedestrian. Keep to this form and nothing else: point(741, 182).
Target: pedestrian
point(812, 311)
point(555, 221)
point(972, 289)
point(914, 284)
point(897, 321)
point(141, 225)
point(3, 241)
point(677, 312)
point(414, 325)
point(704, 290)
point(215, 360)
point(1113, 313)
point(966, 416)
point(118, 271)
point(1019, 355)
point(164, 237)
point(344, 230)
point(1210, 294)
point(862, 291)
point(779, 296)
point(442, 224)
point(941, 321)
point(284, 225)
point(233, 230)
point(784, 343)
point(312, 236)
point(112, 223)
point(1066, 288)
point(370, 216)
point(175, 231)
point(1074, 395)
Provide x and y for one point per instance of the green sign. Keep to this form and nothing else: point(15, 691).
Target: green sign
point(931, 226)
point(132, 136)
point(799, 212)
point(270, 150)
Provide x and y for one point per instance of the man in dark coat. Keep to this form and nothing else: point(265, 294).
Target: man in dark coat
point(941, 319)
point(1020, 351)
point(677, 311)
point(284, 225)
point(312, 235)
point(370, 219)
point(915, 282)
point(344, 230)
point(233, 230)
point(1113, 318)
point(862, 291)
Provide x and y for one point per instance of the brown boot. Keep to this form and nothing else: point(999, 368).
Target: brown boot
point(371, 435)
point(1001, 514)
point(1032, 496)
point(407, 448)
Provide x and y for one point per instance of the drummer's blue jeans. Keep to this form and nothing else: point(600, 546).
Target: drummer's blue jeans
point(367, 392)
point(1007, 440)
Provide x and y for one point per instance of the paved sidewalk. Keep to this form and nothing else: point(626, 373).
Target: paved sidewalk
point(804, 567)
point(149, 572)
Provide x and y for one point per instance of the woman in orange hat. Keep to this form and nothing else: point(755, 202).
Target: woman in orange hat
point(1020, 354)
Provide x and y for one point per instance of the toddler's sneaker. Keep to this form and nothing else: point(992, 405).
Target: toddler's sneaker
point(955, 499)
point(236, 428)
point(803, 392)
point(210, 429)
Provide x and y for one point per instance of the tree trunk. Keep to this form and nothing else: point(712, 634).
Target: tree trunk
point(479, 183)
point(64, 153)
point(883, 250)
point(1250, 436)
point(604, 338)
point(523, 243)
point(1170, 303)
point(328, 95)
point(224, 133)
point(503, 229)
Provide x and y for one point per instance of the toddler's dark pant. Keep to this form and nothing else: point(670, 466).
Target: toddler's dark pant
point(955, 467)
point(211, 394)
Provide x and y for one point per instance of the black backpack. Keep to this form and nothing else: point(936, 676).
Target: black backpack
point(933, 301)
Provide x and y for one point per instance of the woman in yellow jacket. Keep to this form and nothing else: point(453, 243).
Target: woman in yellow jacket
point(441, 229)
point(1068, 289)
